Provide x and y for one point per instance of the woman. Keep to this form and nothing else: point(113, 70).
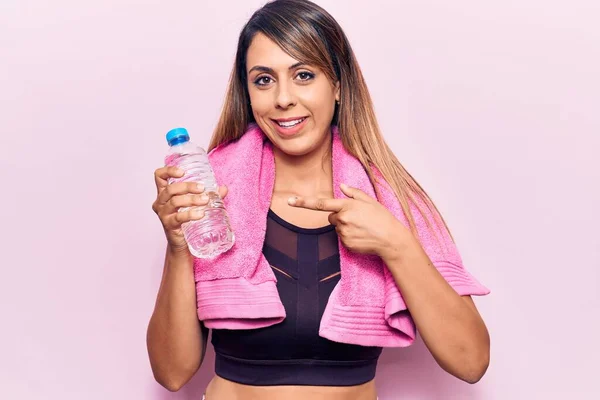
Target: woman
point(294, 77)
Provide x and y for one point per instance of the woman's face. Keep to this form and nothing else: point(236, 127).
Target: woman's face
point(292, 103)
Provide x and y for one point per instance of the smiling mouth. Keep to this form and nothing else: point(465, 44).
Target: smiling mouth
point(290, 123)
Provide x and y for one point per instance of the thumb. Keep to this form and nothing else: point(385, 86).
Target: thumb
point(354, 193)
point(223, 190)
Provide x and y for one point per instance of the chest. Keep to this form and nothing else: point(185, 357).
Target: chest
point(298, 216)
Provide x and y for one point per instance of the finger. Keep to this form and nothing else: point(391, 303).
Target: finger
point(175, 220)
point(161, 176)
point(333, 218)
point(354, 193)
point(186, 200)
point(223, 190)
point(334, 205)
point(179, 188)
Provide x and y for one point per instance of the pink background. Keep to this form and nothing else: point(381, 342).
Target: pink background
point(492, 105)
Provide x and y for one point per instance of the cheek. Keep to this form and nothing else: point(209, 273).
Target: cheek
point(320, 104)
point(259, 104)
point(260, 99)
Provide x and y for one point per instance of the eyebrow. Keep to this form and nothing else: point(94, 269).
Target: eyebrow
point(271, 71)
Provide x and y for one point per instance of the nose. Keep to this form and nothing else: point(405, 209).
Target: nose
point(284, 97)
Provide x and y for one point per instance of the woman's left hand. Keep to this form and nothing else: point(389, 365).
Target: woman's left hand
point(362, 223)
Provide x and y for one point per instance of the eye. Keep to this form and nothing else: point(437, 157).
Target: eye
point(262, 81)
point(305, 76)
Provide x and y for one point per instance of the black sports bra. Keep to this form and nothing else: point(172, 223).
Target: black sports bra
point(306, 263)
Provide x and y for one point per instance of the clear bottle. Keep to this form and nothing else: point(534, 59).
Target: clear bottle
point(211, 235)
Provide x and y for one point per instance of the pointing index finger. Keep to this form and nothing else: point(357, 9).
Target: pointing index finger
point(318, 204)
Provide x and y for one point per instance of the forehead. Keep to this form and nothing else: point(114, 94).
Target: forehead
point(265, 52)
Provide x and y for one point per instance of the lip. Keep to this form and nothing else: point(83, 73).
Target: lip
point(288, 131)
point(288, 119)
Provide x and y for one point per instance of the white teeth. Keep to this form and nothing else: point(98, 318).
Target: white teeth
point(289, 124)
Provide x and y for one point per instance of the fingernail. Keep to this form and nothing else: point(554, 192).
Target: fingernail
point(197, 212)
point(344, 186)
point(200, 187)
point(292, 200)
point(204, 198)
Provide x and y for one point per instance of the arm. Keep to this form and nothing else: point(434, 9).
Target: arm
point(176, 340)
point(449, 324)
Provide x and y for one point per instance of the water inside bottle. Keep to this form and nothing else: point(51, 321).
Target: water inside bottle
point(212, 235)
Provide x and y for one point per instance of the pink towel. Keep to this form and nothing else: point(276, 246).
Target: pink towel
point(237, 290)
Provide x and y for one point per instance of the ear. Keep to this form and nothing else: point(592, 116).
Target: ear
point(337, 91)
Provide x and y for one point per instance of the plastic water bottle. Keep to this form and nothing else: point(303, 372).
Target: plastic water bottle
point(211, 235)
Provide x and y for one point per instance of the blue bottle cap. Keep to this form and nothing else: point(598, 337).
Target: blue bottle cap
point(177, 135)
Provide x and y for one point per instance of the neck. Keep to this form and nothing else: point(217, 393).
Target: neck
point(307, 175)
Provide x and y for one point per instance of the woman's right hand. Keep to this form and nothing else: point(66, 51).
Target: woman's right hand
point(170, 198)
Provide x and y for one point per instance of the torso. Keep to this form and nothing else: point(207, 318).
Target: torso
point(298, 216)
point(220, 388)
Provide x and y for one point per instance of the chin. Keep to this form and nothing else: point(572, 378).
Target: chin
point(296, 147)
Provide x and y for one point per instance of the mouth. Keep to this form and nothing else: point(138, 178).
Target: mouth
point(289, 122)
point(288, 127)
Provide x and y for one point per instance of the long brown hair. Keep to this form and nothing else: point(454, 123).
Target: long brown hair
point(311, 35)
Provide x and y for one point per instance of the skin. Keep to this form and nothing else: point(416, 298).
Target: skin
point(303, 194)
